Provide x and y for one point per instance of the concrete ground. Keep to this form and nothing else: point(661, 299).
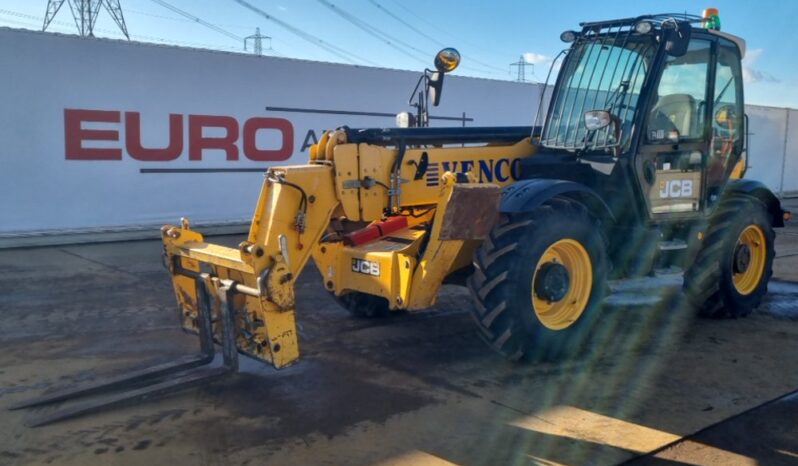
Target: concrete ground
point(766, 435)
point(412, 389)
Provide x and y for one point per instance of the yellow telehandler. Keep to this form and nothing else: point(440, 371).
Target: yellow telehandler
point(636, 168)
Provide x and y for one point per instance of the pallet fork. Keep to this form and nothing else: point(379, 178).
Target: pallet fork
point(142, 384)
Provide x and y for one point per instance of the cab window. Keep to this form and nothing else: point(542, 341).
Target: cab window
point(728, 114)
point(680, 102)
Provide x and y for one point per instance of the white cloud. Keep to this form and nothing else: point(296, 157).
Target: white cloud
point(536, 58)
point(542, 63)
point(755, 75)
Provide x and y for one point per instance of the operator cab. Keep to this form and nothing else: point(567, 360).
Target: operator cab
point(656, 100)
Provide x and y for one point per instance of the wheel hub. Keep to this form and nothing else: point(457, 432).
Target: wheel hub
point(742, 258)
point(552, 282)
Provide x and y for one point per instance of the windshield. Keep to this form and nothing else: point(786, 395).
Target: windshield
point(601, 73)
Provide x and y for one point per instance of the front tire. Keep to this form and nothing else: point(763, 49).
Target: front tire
point(538, 281)
point(731, 272)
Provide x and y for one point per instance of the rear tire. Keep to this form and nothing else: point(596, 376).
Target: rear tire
point(363, 305)
point(724, 280)
point(524, 252)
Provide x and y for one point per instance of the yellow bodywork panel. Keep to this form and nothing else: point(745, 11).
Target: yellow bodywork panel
point(497, 164)
point(357, 165)
point(739, 169)
point(376, 166)
point(391, 266)
point(292, 212)
point(446, 220)
point(346, 170)
point(381, 268)
point(465, 211)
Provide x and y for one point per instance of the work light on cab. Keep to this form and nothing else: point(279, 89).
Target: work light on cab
point(405, 120)
point(568, 36)
point(643, 27)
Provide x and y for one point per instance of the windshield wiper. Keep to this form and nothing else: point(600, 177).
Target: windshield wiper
point(618, 93)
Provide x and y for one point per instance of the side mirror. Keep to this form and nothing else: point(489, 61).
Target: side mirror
point(597, 119)
point(677, 37)
point(445, 62)
point(432, 81)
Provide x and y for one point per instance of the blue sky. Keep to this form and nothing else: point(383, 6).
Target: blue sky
point(490, 35)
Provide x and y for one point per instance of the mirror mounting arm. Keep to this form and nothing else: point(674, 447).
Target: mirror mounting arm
point(419, 99)
point(445, 61)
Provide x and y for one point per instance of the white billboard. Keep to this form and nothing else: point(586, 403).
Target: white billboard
point(100, 134)
point(767, 132)
point(789, 176)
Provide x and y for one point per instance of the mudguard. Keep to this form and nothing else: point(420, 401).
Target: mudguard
point(758, 190)
point(526, 195)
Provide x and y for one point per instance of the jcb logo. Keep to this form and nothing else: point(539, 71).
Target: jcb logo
point(366, 267)
point(676, 188)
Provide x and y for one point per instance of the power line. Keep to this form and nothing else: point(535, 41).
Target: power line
point(337, 51)
point(376, 33)
point(437, 27)
point(188, 17)
point(22, 23)
point(154, 15)
point(139, 38)
point(409, 26)
point(184, 20)
point(199, 20)
point(423, 34)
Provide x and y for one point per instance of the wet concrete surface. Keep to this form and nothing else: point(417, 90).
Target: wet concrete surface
point(416, 388)
point(766, 435)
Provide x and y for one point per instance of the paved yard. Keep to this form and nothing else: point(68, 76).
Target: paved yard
point(411, 389)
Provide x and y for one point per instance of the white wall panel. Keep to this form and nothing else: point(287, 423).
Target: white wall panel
point(43, 189)
point(790, 173)
point(44, 74)
point(767, 131)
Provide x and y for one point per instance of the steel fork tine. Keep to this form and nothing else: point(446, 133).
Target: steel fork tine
point(179, 372)
point(179, 381)
point(186, 362)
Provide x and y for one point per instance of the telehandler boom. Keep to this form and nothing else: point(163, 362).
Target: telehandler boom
point(635, 170)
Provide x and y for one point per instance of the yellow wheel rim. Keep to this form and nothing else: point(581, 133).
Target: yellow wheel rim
point(746, 276)
point(558, 314)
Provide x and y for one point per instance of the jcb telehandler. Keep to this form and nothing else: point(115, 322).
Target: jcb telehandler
point(637, 167)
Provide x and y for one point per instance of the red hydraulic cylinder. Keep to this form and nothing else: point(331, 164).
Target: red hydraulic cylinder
point(375, 230)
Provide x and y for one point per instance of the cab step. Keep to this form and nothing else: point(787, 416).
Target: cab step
point(672, 245)
point(670, 271)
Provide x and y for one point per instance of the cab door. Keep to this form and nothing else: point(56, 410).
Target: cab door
point(675, 140)
point(726, 149)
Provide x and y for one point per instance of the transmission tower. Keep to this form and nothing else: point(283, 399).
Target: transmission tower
point(521, 64)
point(85, 14)
point(257, 40)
